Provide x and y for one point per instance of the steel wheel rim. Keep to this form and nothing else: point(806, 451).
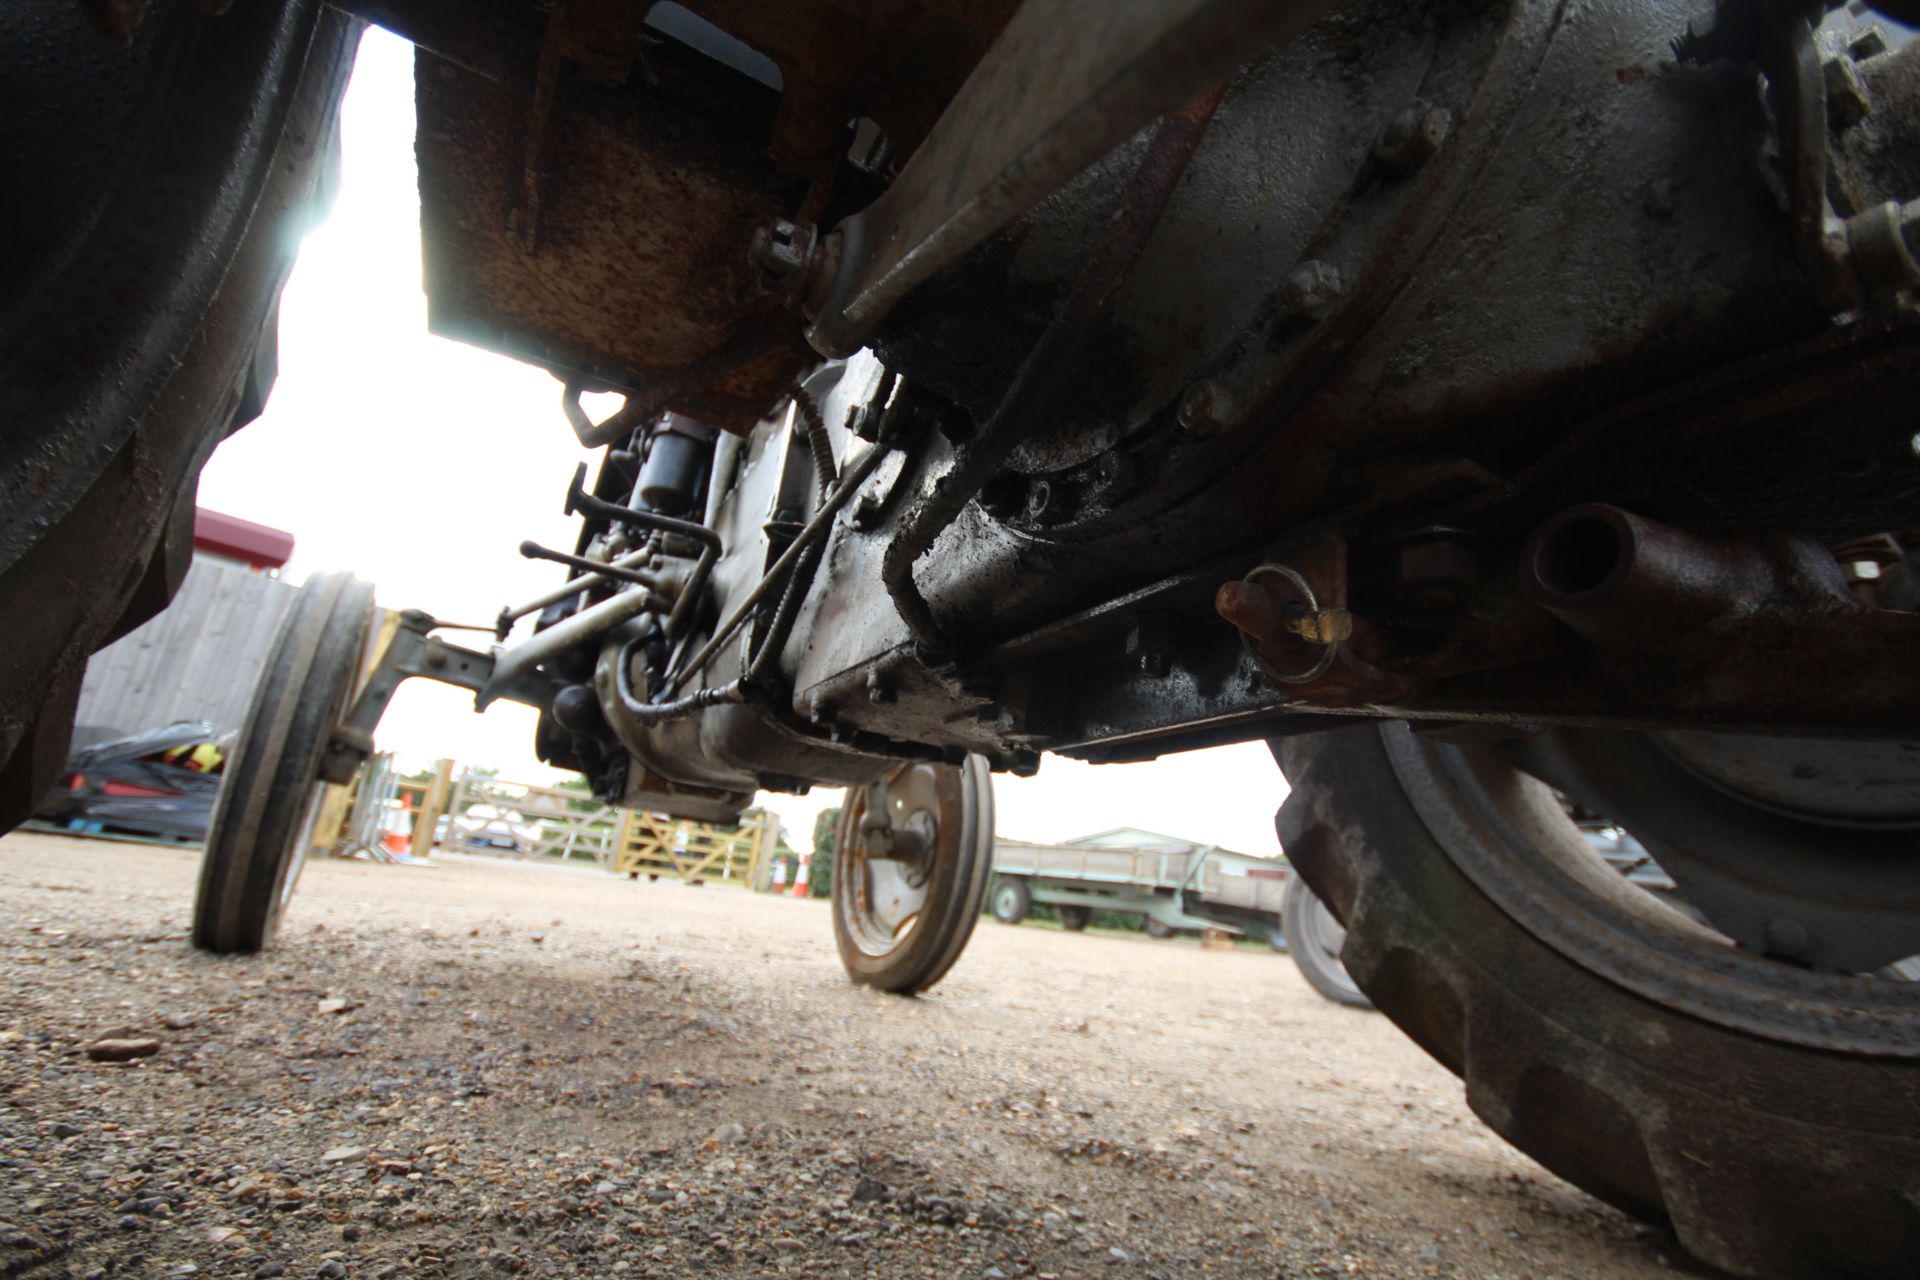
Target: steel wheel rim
point(884, 904)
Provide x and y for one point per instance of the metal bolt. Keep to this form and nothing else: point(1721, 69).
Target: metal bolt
point(437, 658)
point(786, 254)
point(1870, 43)
point(1311, 288)
point(1047, 502)
point(866, 511)
point(879, 690)
point(1150, 647)
point(1205, 407)
point(1883, 243)
point(1413, 136)
point(1847, 100)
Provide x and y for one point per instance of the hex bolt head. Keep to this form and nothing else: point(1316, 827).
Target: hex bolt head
point(1206, 406)
point(866, 511)
point(1847, 100)
point(1311, 289)
point(1412, 137)
point(1150, 646)
point(785, 254)
point(1870, 43)
point(1048, 502)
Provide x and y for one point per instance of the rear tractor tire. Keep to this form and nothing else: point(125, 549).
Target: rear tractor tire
point(1770, 1112)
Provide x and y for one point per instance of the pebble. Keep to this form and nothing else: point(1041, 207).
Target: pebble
point(340, 1155)
point(332, 1004)
point(122, 1050)
point(269, 1270)
point(332, 1269)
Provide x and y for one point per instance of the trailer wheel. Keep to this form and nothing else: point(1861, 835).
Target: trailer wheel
point(1769, 1111)
point(1073, 919)
point(263, 819)
point(1011, 900)
point(1277, 938)
point(909, 884)
point(1314, 937)
point(1155, 929)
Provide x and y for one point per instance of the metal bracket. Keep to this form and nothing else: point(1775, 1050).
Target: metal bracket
point(412, 653)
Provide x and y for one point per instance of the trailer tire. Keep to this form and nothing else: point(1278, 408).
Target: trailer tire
point(1314, 937)
point(1073, 919)
point(1011, 900)
point(1155, 929)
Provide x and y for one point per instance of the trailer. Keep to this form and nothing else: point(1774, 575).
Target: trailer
point(1174, 884)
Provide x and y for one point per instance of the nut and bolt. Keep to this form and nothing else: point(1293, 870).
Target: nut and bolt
point(1311, 288)
point(1870, 43)
point(1847, 100)
point(790, 259)
point(867, 511)
point(1436, 569)
point(1206, 406)
point(1048, 502)
point(1150, 646)
point(1412, 137)
point(1883, 245)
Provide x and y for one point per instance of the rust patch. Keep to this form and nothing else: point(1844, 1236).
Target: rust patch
point(647, 198)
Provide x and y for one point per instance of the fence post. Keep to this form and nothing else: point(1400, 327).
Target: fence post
point(766, 840)
point(426, 820)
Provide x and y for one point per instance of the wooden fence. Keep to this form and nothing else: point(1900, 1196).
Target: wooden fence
point(524, 820)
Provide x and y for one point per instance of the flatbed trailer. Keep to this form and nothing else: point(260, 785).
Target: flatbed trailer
point(1172, 884)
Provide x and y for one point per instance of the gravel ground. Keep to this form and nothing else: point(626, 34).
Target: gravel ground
point(487, 1069)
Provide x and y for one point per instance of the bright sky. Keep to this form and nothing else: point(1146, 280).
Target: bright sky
point(420, 464)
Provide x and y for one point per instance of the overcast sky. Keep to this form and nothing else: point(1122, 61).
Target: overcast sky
point(420, 464)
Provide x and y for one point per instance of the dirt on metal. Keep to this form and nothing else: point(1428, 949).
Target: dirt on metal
point(483, 1069)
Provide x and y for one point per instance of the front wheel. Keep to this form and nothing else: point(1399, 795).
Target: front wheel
point(270, 789)
point(915, 850)
point(1769, 1110)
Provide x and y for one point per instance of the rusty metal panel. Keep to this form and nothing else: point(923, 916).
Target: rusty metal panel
point(198, 660)
point(604, 235)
